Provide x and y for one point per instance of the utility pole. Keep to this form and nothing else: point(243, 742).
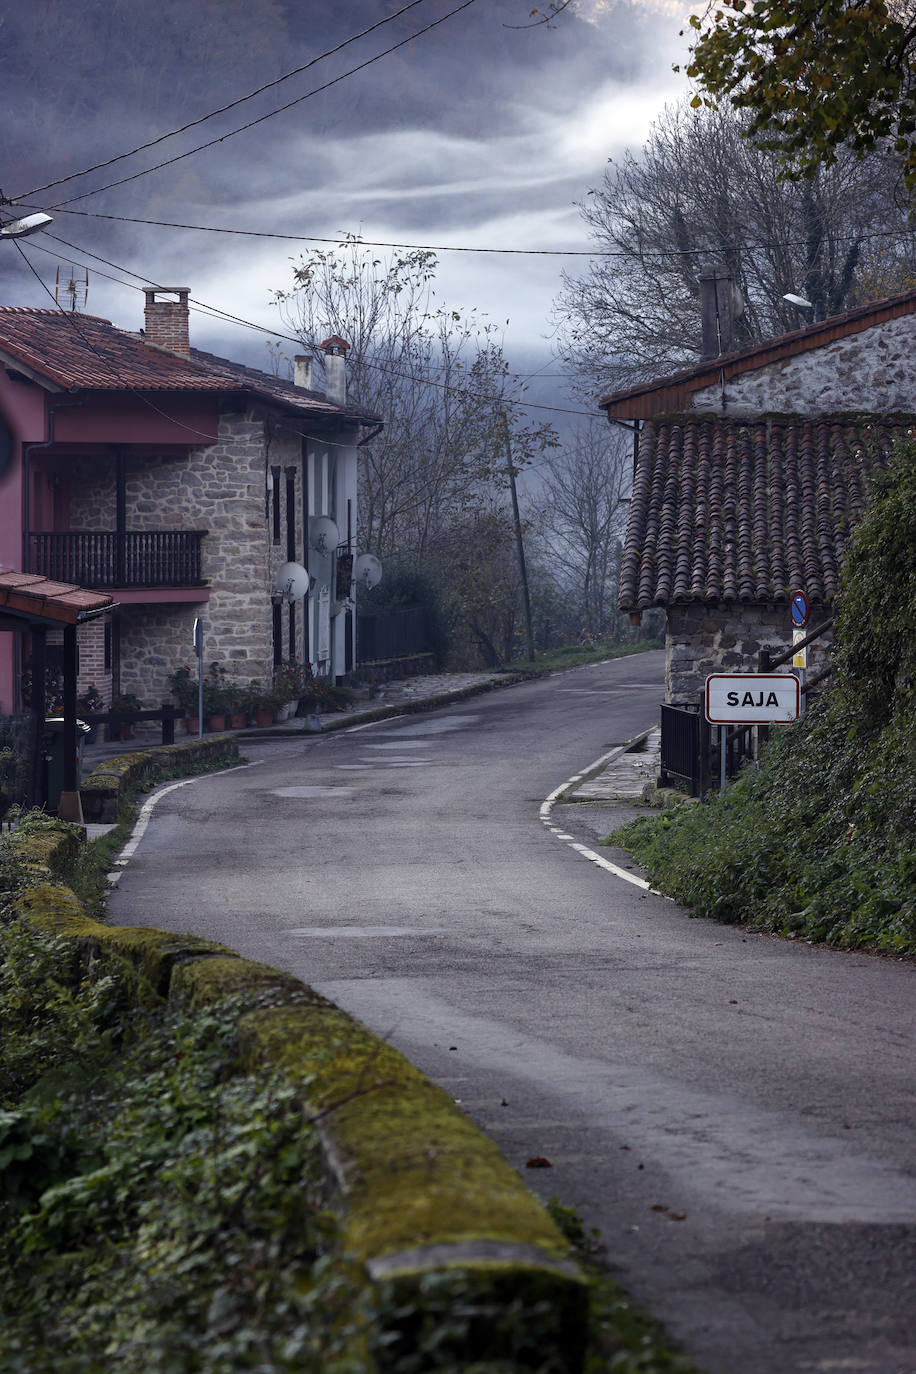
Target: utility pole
point(518, 537)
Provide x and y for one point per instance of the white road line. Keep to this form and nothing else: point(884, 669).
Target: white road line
point(550, 802)
point(146, 811)
point(352, 729)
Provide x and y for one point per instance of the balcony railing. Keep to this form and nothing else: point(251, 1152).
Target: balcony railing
point(102, 558)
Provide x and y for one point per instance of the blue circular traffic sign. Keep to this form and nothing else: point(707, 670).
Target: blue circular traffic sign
point(799, 608)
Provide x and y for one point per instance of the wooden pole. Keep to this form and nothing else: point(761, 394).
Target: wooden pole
point(518, 538)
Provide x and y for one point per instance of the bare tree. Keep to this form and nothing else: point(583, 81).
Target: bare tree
point(582, 513)
point(699, 194)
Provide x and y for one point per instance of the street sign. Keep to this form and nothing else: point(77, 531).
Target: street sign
point(800, 657)
point(799, 609)
point(752, 698)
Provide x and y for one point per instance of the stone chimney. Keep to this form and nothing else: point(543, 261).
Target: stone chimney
point(302, 371)
point(335, 369)
point(720, 304)
point(167, 319)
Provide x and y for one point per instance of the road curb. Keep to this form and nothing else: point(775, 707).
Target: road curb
point(430, 1207)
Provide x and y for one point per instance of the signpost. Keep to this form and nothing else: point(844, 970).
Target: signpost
point(798, 606)
point(199, 650)
point(750, 699)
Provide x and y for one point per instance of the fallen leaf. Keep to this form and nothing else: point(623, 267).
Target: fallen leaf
point(538, 1162)
point(676, 1216)
point(659, 1207)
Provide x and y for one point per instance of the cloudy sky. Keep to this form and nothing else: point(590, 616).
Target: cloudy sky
point(483, 132)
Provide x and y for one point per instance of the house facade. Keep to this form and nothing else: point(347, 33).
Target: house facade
point(178, 482)
point(751, 471)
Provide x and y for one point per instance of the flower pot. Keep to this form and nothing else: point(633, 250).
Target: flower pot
point(190, 725)
point(217, 721)
point(264, 717)
point(238, 720)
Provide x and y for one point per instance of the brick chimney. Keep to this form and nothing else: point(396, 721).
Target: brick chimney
point(335, 369)
point(167, 319)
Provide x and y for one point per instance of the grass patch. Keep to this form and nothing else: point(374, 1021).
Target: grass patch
point(577, 655)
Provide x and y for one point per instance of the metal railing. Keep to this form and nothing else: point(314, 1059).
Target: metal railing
point(685, 747)
point(397, 633)
point(104, 558)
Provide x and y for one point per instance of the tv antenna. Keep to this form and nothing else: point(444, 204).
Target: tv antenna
point(71, 291)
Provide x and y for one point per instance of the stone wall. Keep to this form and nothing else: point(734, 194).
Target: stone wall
point(701, 640)
point(221, 489)
point(874, 370)
point(224, 489)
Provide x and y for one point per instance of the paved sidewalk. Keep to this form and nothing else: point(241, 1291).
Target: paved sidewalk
point(389, 698)
point(623, 775)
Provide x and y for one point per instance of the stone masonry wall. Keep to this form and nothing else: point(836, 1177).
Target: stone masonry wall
point(220, 489)
point(701, 640)
point(225, 490)
point(874, 370)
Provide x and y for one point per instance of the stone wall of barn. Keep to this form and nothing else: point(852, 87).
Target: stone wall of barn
point(874, 370)
point(701, 640)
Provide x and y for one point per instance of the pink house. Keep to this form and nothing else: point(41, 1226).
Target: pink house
point(178, 482)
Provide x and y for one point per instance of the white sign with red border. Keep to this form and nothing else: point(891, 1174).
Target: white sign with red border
point(752, 698)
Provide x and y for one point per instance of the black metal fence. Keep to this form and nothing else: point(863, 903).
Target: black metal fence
point(398, 633)
point(685, 741)
point(104, 558)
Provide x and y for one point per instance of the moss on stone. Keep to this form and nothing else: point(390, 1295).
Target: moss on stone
point(54, 851)
point(417, 1171)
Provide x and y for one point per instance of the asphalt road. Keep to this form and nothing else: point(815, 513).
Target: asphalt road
point(735, 1113)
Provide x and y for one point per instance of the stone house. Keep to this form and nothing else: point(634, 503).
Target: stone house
point(751, 469)
point(179, 482)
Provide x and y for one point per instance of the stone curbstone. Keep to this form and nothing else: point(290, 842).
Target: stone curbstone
point(430, 1208)
point(102, 790)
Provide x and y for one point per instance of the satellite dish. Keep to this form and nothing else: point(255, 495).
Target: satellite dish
point(323, 535)
point(367, 571)
point(291, 581)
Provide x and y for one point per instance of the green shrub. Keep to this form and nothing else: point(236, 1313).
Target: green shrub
point(821, 840)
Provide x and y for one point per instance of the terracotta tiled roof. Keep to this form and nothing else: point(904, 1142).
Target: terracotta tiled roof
point(665, 395)
point(42, 599)
point(747, 511)
point(88, 353)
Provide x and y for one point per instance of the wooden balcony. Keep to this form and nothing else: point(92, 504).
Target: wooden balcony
point(104, 558)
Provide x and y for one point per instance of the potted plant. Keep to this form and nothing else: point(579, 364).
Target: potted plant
point(215, 693)
point(259, 704)
point(236, 706)
point(127, 701)
point(183, 688)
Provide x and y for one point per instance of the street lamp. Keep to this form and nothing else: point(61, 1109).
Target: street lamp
point(21, 228)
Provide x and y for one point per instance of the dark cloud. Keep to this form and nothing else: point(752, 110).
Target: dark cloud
point(477, 132)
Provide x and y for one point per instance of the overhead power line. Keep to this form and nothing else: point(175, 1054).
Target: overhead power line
point(252, 123)
point(222, 109)
point(217, 313)
point(358, 241)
